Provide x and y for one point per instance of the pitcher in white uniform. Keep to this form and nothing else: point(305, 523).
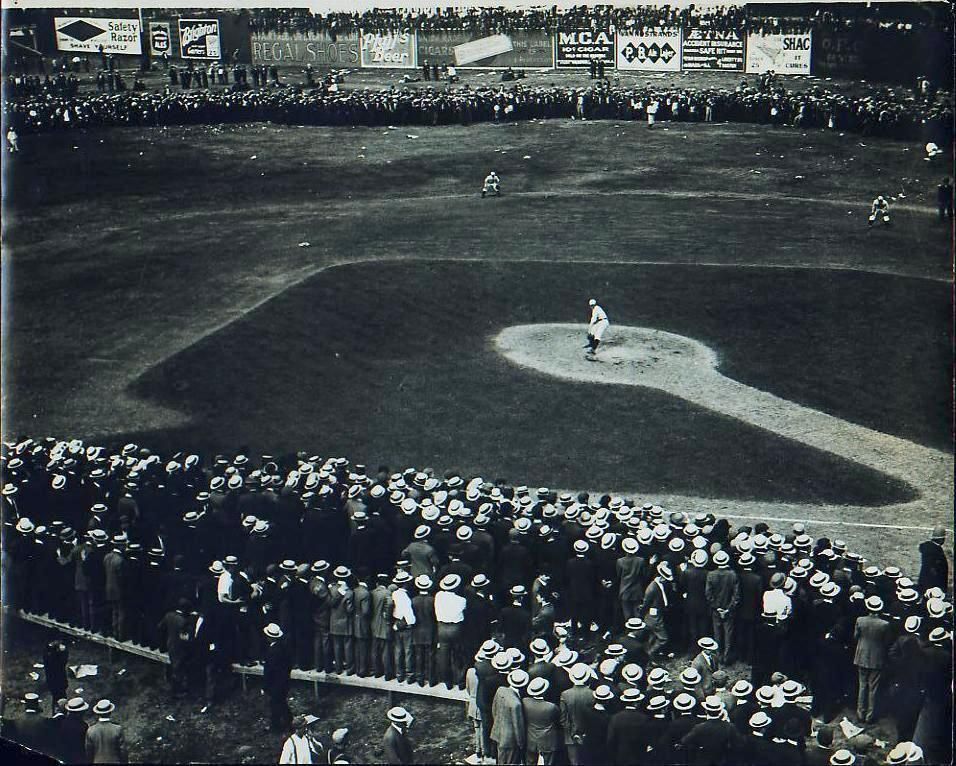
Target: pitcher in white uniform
point(596, 329)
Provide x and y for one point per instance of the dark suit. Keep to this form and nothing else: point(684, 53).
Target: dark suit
point(934, 569)
point(628, 736)
point(575, 705)
point(72, 734)
point(105, 743)
point(633, 576)
point(275, 682)
point(398, 748)
point(713, 743)
point(543, 729)
point(873, 636)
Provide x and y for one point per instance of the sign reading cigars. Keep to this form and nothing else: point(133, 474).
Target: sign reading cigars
point(580, 47)
point(89, 34)
point(528, 49)
point(199, 39)
point(713, 49)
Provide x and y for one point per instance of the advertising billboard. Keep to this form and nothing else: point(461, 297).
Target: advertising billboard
point(651, 52)
point(580, 47)
point(92, 35)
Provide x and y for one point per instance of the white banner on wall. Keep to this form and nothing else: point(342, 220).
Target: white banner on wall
point(90, 35)
point(784, 54)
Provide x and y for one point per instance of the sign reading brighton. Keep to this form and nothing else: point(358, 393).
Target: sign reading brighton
point(580, 47)
point(388, 50)
point(783, 54)
point(713, 49)
point(199, 39)
point(160, 39)
point(92, 35)
point(649, 52)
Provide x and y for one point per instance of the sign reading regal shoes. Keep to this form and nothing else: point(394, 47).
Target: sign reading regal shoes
point(91, 35)
point(578, 48)
point(388, 50)
point(649, 52)
point(199, 39)
point(784, 54)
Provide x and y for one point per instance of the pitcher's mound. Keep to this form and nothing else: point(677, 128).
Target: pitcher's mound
point(637, 356)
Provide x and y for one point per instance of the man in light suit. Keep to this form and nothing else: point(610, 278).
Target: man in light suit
point(873, 637)
point(508, 723)
point(105, 742)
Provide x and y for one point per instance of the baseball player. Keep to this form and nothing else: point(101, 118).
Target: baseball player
point(880, 209)
point(596, 329)
point(492, 184)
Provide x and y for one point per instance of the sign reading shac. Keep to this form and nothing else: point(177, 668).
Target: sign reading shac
point(388, 50)
point(578, 48)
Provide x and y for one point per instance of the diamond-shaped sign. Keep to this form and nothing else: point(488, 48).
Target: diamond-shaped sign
point(667, 52)
point(629, 53)
point(81, 30)
point(654, 53)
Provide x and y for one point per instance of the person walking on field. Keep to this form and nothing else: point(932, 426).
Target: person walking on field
point(596, 328)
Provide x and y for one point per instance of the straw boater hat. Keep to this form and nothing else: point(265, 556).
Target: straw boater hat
point(538, 687)
point(272, 630)
point(77, 705)
point(399, 715)
point(103, 708)
point(759, 720)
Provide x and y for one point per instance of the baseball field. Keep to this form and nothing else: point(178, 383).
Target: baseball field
point(272, 289)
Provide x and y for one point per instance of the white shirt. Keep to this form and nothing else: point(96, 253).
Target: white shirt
point(296, 750)
point(224, 587)
point(777, 602)
point(449, 607)
point(403, 607)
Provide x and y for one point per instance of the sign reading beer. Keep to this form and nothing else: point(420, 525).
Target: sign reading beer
point(91, 35)
point(388, 50)
point(199, 39)
point(579, 48)
point(160, 38)
point(713, 49)
point(317, 49)
point(462, 49)
point(783, 54)
point(649, 52)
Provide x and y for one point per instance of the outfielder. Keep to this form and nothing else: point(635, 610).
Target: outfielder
point(492, 184)
point(880, 209)
point(596, 329)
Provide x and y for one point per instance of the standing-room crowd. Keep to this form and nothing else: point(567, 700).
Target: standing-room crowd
point(882, 112)
point(558, 612)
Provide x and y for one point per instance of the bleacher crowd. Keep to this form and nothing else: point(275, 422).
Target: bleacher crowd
point(558, 613)
point(491, 20)
point(886, 113)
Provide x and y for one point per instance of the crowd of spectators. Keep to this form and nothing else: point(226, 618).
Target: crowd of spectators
point(319, 563)
point(885, 112)
point(637, 18)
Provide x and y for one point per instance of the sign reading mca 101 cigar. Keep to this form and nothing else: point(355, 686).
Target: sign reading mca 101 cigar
point(95, 35)
point(199, 39)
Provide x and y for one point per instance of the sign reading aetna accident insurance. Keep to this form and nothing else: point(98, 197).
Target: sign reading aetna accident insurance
point(318, 48)
point(199, 39)
point(784, 54)
point(580, 47)
point(527, 49)
point(713, 49)
point(160, 39)
point(649, 52)
point(388, 50)
point(90, 35)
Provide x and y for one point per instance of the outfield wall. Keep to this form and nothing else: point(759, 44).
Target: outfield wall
point(876, 53)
